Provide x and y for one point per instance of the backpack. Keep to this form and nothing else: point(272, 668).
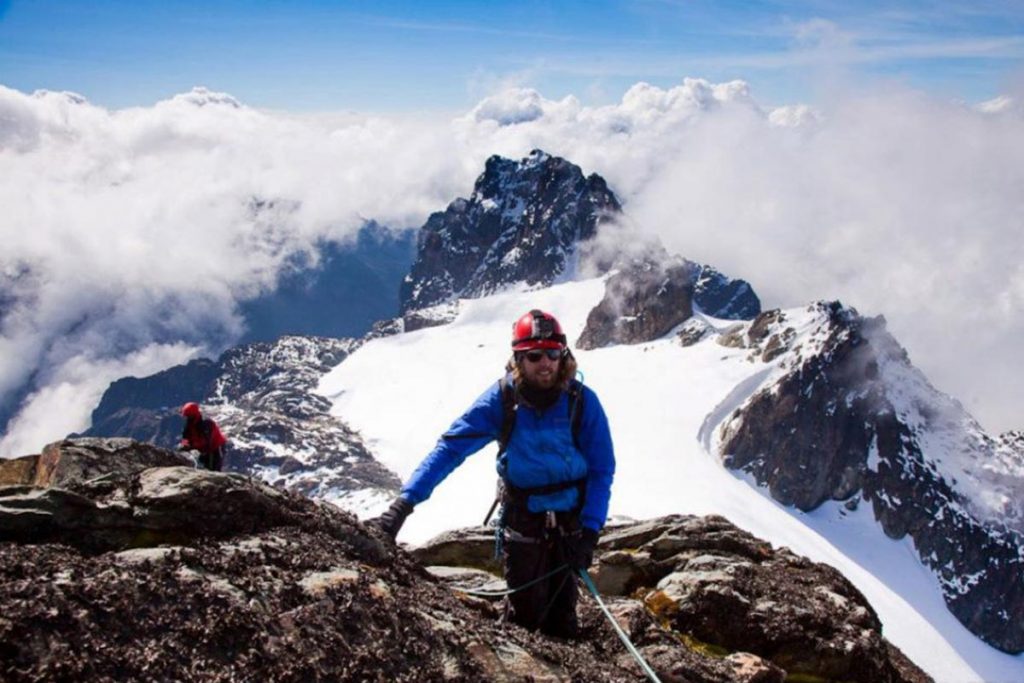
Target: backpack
point(509, 407)
point(508, 423)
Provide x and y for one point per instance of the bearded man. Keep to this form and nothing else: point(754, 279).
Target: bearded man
point(556, 462)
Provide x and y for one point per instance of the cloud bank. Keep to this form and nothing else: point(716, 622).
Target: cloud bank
point(129, 236)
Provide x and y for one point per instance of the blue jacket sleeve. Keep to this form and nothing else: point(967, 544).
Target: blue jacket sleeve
point(477, 427)
point(595, 440)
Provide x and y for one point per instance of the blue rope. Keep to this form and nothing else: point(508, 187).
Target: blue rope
point(622, 636)
point(501, 594)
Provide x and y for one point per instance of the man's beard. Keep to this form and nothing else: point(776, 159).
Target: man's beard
point(539, 397)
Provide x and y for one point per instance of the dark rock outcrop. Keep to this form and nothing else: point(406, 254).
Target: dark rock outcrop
point(642, 302)
point(723, 297)
point(719, 591)
point(650, 293)
point(521, 224)
point(173, 573)
point(850, 419)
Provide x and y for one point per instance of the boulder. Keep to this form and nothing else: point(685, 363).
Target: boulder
point(760, 613)
point(643, 301)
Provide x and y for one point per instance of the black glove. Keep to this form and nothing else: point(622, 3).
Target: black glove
point(394, 517)
point(581, 549)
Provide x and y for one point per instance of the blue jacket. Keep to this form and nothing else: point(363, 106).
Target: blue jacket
point(540, 452)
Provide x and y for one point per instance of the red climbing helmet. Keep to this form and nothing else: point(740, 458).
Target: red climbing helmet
point(537, 330)
point(190, 411)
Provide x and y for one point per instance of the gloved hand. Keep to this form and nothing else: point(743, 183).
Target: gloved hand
point(581, 549)
point(394, 517)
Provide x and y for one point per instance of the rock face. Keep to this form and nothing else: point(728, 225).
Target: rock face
point(262, 395)
point(650, 294)
point(723, 297)
point(846, 417)
point(85, 460)
point(173, 573)
point(642, 302)
point(521, 224)
point(718, 591)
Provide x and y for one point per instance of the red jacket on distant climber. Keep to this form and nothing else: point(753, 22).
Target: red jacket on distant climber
point(203, 434)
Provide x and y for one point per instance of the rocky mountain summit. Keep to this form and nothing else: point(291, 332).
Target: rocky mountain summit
point(119, 562)
point(534, 221)
point(263, 396)
point(846, 417)
point(522, 223)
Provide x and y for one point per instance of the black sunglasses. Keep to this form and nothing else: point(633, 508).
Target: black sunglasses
point(534, 355)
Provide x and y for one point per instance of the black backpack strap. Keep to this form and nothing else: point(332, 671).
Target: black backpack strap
point(576, 410)
point(508, 407)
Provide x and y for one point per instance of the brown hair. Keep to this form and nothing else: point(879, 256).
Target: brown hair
point(566, 369)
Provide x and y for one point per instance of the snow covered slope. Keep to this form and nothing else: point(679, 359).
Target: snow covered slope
point(664, 401)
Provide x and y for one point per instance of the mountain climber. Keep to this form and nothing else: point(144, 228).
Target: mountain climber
point(556, 463)
point(203, 435)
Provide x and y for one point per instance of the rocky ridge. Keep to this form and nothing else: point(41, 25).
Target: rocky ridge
point(123, 564)
point(263, 396)
point(844, 416)
point(532, 222)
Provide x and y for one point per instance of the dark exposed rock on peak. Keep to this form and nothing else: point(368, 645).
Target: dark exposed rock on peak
point(650, 294)
point(521, 224)
point(172, 573)
point(847, 418)
point(642, 302)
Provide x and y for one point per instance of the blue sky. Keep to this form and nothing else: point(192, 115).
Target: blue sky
point(407, 56)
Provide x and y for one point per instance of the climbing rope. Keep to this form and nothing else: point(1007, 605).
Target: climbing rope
point(600, 603)
point(502, 594)
point(622, 635)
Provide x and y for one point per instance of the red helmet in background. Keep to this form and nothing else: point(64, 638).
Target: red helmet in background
point(537, 330)
point(190, 411)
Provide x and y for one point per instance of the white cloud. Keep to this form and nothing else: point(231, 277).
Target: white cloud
point(127, 228)
point(65, 403)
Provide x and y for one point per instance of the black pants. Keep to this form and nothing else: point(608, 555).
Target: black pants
point(213, 460)
point(549, 605)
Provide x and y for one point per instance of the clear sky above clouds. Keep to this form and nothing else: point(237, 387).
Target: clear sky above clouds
point(404, 56)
